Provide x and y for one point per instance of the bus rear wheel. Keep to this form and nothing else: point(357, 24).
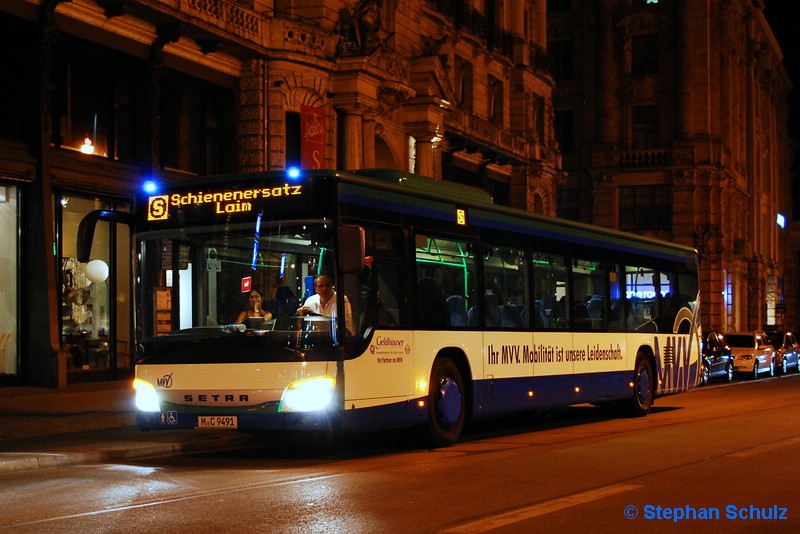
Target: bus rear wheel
point(643, 393)
point(446, 404)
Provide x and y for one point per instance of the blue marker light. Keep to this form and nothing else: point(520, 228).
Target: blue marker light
point(293, 172)
point(254, 258)
point(258, 225)
point(150, 186)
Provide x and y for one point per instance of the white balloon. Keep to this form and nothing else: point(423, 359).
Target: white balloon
point(97, 271)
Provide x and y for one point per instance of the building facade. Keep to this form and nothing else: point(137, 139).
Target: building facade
point(672, 120)
point(100, 95)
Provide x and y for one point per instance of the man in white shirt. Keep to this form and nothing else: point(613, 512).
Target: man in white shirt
point(323, 302)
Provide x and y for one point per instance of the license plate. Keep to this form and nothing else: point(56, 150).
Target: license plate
point(217, 421)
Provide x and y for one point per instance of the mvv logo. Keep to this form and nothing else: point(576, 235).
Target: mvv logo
point(165, 381)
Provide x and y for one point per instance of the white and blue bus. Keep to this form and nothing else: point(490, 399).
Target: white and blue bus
point(461, 309)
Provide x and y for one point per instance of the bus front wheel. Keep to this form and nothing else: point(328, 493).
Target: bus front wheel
point(643, 393)
point(446, 403)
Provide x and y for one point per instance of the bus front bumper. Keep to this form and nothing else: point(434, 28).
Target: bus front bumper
point(174, 420)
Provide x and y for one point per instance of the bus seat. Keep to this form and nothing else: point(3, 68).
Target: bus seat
point(458, 311)
point(472, 316)
point(595, 307)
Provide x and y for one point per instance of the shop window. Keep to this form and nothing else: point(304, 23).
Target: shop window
point(95, 295)
point(9, 297)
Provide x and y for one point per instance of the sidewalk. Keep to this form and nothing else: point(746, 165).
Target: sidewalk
point(88, 423)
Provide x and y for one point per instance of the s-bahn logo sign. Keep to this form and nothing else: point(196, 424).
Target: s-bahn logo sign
point(158, 206)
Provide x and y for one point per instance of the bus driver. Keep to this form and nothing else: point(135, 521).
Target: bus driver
point(323, 302)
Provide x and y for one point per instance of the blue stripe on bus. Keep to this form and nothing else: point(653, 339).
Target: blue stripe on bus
point(500, 396)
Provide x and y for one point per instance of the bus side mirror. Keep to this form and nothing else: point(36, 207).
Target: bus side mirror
point(351, 249)
point(87, 226)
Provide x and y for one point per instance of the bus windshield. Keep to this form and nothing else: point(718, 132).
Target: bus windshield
point(198, 281)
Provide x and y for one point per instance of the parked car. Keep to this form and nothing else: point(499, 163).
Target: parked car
point(717, 359)
point(787, 350)
point(753, 353)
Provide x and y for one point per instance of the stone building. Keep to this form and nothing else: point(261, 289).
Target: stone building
point(97, 96)
point(672, 119)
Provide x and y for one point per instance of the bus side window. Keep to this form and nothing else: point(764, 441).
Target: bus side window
point(385, 245)
point(388, 287)
point(550, 291)
point(640, 290)
point(445, 272)
point(506, 298)
point(590, 278)
point(618, 301)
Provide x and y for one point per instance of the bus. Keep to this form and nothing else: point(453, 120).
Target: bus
point(460, 309)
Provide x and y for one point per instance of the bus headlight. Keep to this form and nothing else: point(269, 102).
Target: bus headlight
point(146, 396)
point(308, 395)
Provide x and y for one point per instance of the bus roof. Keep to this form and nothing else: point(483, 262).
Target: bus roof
point(420, 185)
point(483, 209)
point(490, 214)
